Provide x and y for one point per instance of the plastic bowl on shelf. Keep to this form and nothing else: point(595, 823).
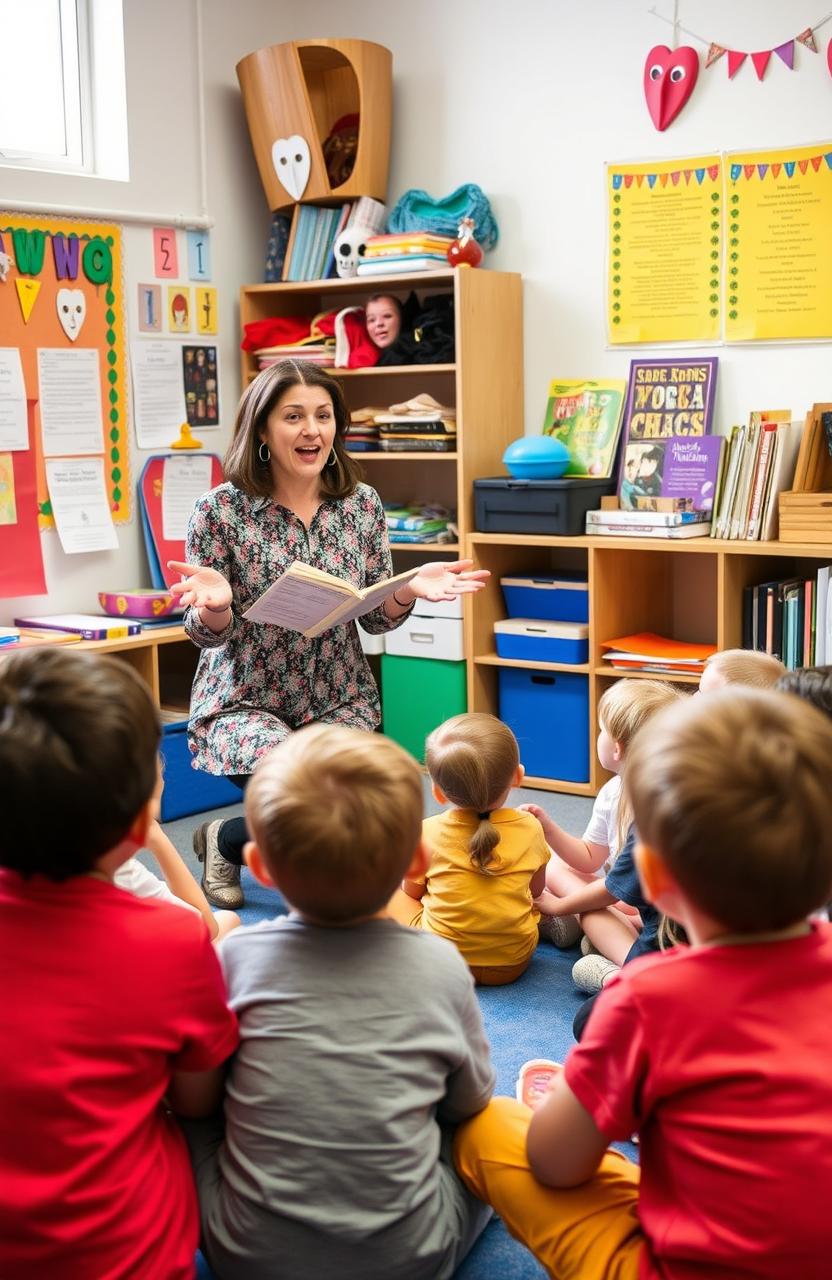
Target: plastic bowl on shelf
point(536, 458)
point(139, 603)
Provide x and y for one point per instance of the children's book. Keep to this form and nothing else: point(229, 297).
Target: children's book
point(586, 417)
point(678, 468)
point(89, 626)
point(308, 600)
point(668, 398)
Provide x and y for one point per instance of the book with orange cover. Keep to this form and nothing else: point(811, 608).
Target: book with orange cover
point(647, 646)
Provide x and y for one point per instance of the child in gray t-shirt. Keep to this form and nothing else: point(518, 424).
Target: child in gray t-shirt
point(360, 1040)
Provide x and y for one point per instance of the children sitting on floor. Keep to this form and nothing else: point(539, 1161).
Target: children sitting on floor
point(575, 883)
point(487, 863)
point(359, 1038)
point(178, 885)
point(717, 1053)
point(740, 666)
point(110, 1004)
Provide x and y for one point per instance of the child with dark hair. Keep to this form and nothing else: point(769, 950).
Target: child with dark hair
point(717, 1054)
point(487, 861)
point(111, 1004)
point(812, 684)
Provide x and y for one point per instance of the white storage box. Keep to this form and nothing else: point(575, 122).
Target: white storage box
point(427, 638)
point(438, 608)
point(370, 644)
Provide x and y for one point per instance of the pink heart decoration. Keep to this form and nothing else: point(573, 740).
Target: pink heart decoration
point(669, 80)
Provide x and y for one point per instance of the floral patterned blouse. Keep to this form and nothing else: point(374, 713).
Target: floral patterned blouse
point(255, 682)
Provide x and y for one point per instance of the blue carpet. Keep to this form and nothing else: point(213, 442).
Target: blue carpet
point(531, 1018)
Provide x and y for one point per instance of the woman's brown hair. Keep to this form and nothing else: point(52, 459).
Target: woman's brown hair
point(242, 464)
point(473, 759)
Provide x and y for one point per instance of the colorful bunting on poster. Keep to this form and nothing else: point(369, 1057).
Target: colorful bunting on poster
point(736, 171)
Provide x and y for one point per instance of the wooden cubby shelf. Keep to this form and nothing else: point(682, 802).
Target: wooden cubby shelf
point(690, 590)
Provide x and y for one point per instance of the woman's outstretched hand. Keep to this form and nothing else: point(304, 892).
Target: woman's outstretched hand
point(444, 580)
point(201, 587)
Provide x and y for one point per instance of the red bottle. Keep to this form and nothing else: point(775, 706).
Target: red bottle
point(464, 251)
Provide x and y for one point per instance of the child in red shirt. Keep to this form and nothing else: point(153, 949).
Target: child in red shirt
point(110, 1003)
point(717, 1054)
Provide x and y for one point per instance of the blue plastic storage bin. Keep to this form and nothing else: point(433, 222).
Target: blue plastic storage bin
point(189, 790)
point(560, 597)
point(548, 714)
point(538, 640)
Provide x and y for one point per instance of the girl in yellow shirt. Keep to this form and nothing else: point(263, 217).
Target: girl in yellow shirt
point(487, 862)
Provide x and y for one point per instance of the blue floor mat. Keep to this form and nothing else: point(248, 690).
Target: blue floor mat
point(530, 1018)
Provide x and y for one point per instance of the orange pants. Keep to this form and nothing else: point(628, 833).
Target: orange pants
point(590, 1232)
point(408, 911)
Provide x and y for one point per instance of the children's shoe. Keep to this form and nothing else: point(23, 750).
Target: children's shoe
point(220, 878)
point(587, 948)
point(591, 972)
point(563, 931)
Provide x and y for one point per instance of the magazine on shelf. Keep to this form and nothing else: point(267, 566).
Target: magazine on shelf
point(308, 600)
point(680, 467)
point(586, 417)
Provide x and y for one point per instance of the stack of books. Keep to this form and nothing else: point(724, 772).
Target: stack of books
point(9, 635)
point(404, 433)
point(419, 523)
point(310, 253)
point(363, 432)
point(646, 651)
point(758, 464)
point(649, 524)
point(790, 618)
point(404, 252)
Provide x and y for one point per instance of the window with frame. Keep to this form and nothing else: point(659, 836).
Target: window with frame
point(63, 101)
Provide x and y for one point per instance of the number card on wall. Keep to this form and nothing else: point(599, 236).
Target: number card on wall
point(61, 289)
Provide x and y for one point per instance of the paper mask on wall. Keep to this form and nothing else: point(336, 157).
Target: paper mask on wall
point(669, 80)
point(72, 311)
point(290, 157)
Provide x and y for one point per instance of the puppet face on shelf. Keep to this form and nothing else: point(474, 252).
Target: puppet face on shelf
point(349, 250)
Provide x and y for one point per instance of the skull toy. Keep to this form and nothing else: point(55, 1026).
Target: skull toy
point(350, 247)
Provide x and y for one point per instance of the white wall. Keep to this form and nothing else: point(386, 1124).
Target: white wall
point(527, 99)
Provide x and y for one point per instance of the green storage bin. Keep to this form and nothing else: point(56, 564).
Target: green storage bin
point(417, 694)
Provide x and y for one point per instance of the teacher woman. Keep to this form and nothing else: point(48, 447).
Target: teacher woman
point(291, 492)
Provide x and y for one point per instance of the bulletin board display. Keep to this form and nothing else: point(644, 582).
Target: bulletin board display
point(50, 261)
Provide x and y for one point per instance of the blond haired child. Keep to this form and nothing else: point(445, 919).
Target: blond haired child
point(575, 878)
point(359, 1038)
point(487, 862)
point(717, 1053)
point(740, 666)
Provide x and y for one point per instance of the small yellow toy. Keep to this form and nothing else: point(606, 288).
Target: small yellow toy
point(186, 440)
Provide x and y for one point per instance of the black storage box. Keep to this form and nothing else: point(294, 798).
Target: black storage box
point(505, 505)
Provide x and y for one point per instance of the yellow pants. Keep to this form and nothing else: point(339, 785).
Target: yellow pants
point(589, 1232)
point(408, 911)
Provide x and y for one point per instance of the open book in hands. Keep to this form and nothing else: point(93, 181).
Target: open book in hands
point(308, 600)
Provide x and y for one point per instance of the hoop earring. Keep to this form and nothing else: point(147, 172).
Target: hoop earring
point(264, 457)
point(332, 460)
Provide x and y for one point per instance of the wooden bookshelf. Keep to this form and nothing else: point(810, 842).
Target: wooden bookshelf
point(689, 589)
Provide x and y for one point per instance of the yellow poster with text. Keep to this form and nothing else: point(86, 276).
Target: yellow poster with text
point(779, 231)
point(665, 249)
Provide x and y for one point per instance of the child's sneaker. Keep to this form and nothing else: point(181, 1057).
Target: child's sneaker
point(534, 1079)
point(564, 931)
point(587, 948)
point(591, 972)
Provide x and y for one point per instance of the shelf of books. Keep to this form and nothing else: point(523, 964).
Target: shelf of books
point(473, 393)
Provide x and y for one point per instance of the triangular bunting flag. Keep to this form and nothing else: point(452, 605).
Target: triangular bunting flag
point(27, 293)
point(748, 170)
point(816, 162)
point(775, 169)
point(760, 61)
point(687, 173)
point(789, 167)
point(651, 180)
point(700, 175)
point(715, 52)
point(785, 53)
point(663, 177)
point(674, 177)
point(807, 39)
point(639, 179)
point(828, 158)
point(735, 61)
point(736, 170)
point(803, 165)
point(762, 170)
point(628, 180)
point(713, 172)
point(616, 181)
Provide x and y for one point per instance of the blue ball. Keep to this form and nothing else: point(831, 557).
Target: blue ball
point(536, 458)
